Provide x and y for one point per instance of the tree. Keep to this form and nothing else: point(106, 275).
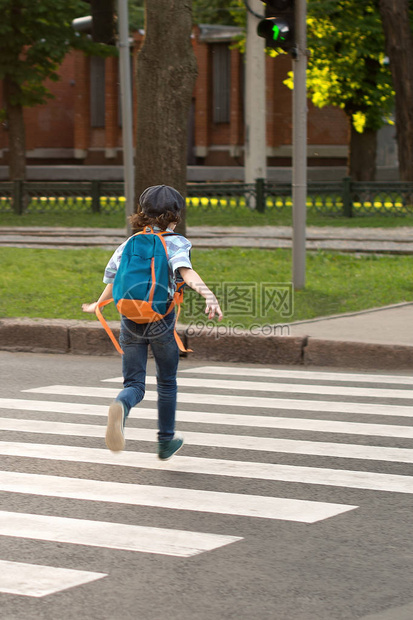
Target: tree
point(399, 46)
point(347, 69)
point(166, 74)
point(203, 12)
point(216, 11)
point(34, 38)
point(136, 10)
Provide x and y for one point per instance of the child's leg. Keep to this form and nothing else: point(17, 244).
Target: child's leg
point(135, 348)
point(166, 353)
point(134, 359)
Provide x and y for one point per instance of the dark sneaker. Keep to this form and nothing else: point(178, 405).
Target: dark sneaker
point(168, 448)
point(115, 438)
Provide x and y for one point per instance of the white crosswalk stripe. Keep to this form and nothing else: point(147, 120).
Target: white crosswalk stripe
point(167, 497)
point(195, 398)
point(216, 467)
point(253, 411)
point(304, 375)
point(37, 581)
point(259, 386)
point(109, 535)
point(221, 440)
point(315, 406)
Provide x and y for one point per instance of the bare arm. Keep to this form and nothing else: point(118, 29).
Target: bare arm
point(107, 294)
point(194, 280)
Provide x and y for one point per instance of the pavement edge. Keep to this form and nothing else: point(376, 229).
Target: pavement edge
point(88, 338)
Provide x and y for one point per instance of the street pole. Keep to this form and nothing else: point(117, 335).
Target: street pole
point(126, 107)
point(300, 146)
point(255, 166)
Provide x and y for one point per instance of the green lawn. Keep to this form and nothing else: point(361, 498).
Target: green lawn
point(71, 220)
point(54, 283)
point(284, 218)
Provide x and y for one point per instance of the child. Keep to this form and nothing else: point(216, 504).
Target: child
point(160, 208)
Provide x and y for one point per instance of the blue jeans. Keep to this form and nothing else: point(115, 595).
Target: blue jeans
point(134, 340)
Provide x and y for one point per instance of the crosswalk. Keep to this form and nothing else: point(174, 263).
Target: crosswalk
point(245, 415)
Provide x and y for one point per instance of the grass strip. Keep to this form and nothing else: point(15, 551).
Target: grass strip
point(241, 217)
point(220, 213)
point(54, 283)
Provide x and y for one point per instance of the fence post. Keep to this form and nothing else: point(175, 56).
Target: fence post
point(347, 201)
point(260, 195)
point(95, 196)
point(18, 192)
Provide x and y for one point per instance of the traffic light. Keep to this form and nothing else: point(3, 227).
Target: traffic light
point(278, 26)
point(103, 26)
point(101, 23)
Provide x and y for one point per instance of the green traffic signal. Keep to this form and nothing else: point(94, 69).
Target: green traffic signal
point(277, 32)
point(279, 24)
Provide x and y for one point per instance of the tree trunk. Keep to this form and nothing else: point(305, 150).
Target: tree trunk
point(165, 81)
point(362, 155)
point(16, 130)
point(399, 49)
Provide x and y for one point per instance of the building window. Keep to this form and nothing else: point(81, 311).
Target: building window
point(221, 82)
point(97, 91)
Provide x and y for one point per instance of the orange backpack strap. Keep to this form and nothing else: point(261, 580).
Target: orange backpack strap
point(178, 297)
point(106, 326)
point(177, 301)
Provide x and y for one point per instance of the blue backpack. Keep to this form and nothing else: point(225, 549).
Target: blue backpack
point(140, 288)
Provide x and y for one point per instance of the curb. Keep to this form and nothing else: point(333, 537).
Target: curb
point(88, 338)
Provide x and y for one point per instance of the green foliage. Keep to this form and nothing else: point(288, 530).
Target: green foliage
point(348, 67)
point(34, 39)
point(136, 14)
point(203, 12)
point(217, 12)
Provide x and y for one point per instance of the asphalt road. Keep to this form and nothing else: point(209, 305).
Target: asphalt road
point(302, 482)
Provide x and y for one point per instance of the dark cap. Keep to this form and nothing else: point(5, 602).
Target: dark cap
point(159, 199)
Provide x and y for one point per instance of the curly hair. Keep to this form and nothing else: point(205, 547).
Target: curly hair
point(140, 220)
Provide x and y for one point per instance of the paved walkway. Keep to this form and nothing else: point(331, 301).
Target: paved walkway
point(391, 325)
point(360, 240)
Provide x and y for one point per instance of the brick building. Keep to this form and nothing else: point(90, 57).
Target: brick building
point(82, 124)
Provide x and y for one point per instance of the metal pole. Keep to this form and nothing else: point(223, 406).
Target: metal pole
point(126, 106)
point(255, 122)
point(300, 146)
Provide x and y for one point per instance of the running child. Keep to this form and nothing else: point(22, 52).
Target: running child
point(160, 208)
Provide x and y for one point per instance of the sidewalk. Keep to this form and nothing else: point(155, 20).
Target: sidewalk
point(391, 325)
point(362, 240)
point(376, 339)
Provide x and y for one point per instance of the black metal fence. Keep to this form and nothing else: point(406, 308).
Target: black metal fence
point(343, 198)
